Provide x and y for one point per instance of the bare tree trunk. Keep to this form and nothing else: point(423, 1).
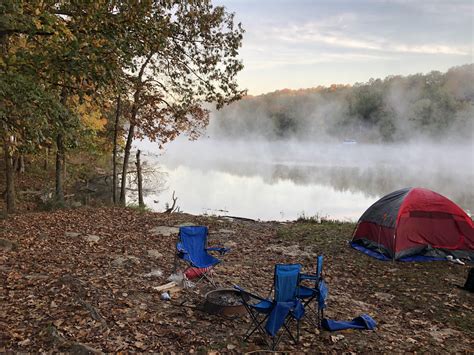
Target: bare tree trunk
point(21, 164)
point(114, 156)
point(126, 158)
point(15, 162)
point(131, 130)
point(46, 158)
point(59, 168)
point(64, 166)
point(60, 159)
point(10, 176)
point(140, 180)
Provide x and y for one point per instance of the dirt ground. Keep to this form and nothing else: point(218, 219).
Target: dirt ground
point(76, 280)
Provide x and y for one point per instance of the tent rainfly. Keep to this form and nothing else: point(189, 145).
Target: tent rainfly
point(415, 224)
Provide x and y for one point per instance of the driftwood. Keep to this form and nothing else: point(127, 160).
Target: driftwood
point(165, 286)
point(173, 207)
point(77, 286)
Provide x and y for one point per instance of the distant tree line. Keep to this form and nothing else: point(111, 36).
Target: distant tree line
point(84, 78)
point(431, 106)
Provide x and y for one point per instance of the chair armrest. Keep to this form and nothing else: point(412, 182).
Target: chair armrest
point(180, 248)
point(240, 289)
point(221, 250)
point(311, 277)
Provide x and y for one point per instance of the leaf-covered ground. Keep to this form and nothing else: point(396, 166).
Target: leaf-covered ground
point(76, 278)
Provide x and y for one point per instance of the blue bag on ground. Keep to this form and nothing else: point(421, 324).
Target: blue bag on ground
point(362, 322)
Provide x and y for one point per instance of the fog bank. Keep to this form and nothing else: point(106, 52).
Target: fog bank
point(436, 106)
point(368, 171)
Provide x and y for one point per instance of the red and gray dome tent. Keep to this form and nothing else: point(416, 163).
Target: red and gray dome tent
point(415, 224)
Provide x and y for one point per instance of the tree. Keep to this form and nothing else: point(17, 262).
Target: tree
point(187, 57)
point(26, 107)
point(173, 56)
point(115, 148)
point(46, 56)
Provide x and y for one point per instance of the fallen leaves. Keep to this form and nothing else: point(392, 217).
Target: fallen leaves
point(85, 278)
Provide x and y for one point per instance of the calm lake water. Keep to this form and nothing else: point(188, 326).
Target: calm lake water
point(287, 179)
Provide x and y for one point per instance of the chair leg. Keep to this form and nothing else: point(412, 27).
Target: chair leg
point(256, 322)
point(276, 339)
point(297, 331)
point(320, 316)
point(208, 278)
point(311, 315)
point(275, 342)
point(289, 333)
point(175, 266)
point(258, 326)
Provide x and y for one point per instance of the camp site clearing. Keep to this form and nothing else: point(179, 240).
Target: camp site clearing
point(86, 277)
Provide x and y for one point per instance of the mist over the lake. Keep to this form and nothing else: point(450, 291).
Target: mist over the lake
point(326, 151)
point(435, 107)
point(286, 179)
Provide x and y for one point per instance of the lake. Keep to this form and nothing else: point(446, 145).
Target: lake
point(285, 180)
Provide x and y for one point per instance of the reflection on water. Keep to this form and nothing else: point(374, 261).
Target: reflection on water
point(283, 180)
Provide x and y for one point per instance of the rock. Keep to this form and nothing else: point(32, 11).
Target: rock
point(291, 250)
point(441, 334)
point(125, 260)
point(72, 234)
point(336, 338)
point(384, 296)
point(24, 342)
point(154, 273)
point(186, 224)
point(82, 349)
point(46, 196)
point(226, 231)
point(164, 231)
point(230, 244)
point(91, 238)
point(362, 305)
point(54, 335)
point(76, 204)
point(154, 254)
point(8, 245)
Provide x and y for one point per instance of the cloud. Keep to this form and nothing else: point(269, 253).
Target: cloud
point(292, 43)
point(311, 33)
point(262, 60)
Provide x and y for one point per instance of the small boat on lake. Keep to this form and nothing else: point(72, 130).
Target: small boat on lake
point(349, 141)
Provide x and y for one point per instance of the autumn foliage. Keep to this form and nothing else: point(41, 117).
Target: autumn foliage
point(63, 65)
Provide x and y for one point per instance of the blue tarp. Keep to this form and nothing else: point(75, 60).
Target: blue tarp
point(383, 257)
point(362, 322)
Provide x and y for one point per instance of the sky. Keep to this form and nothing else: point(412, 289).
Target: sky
point(305, 43)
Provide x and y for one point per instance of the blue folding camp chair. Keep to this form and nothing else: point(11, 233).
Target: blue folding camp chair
point(278, 312)
point(314, 298)
point(192, 248)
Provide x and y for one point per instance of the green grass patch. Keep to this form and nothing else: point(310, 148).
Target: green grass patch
point(316, 232)
point(138, 208)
